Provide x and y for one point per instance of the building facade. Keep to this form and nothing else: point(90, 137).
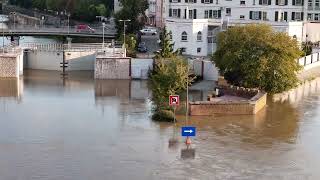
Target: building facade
point(195, 23)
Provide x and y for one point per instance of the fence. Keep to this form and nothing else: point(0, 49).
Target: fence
point(310, 61)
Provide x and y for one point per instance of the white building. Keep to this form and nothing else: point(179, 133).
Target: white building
point(195, 23)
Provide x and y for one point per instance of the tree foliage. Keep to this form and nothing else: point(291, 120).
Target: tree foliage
point(166, 50)
point(255, 56)
point(133, 10)
point(169, 77)
point(131, 44)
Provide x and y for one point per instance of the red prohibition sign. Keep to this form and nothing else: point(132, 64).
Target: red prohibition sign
point(174, 100)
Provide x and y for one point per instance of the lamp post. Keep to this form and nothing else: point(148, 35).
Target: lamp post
point(68, 23)
point(124, 34)
point(103, 26)
point(2, 37)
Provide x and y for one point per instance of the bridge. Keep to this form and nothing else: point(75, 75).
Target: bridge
point(24, 30)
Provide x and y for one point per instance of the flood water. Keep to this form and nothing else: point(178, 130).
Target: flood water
point(81, 129)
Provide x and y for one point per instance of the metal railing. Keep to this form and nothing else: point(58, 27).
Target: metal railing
point(58, 30)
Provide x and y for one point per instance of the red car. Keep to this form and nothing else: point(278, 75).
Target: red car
point(84, 28)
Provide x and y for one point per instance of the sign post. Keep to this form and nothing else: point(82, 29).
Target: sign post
point(174, 101)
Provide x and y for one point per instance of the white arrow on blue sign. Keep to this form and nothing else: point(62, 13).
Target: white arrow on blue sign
point(188, 131)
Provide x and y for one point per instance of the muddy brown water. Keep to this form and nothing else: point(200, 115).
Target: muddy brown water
point(81, 129)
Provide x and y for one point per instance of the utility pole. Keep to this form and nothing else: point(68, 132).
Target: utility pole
point(124, 35)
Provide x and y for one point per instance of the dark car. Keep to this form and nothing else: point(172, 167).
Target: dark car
point(142, 48)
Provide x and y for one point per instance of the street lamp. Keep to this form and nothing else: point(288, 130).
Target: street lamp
point(124, 34)
point(103, 26)
point(68, 23)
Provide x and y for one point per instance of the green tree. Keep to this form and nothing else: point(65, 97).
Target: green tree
point(169, 77)
point(166, 50)
point(133, 10)
point(307, 48)
point(255, 56)
point(40, 4)
point(131, 44)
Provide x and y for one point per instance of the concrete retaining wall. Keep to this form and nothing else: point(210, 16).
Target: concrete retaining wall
point(251, 106)
point(297, 94)
point(50, 60)
point(112, 68)
point(44, 60)
point(140, 68)
point(204, 68)
point(79, 61)
point(310, 61)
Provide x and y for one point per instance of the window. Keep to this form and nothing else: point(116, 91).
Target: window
point(198, 50)
point(199, 36)
point(264, 16)
point(175, 12)
point(242, 2)
point(297, 16)
point(264, 2)
point(310, 4)
point(183, 50)
point(297, 2)
point(228, 11)
point(317, 5)
point(255, 15)
point(281, 2)
point(309, 16)
point(206, 1)
point(254, 2)
point(170, 35)
point(190, 14)
point(214, 14)
point(184, 36)
point(206, 14)
point(241, 16)
point(316, 17)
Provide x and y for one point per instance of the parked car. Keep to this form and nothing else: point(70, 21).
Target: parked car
point(84, 28)
point(142, 47)
point(149, 31)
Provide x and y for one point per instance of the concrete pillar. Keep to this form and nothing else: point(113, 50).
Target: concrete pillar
point(11, 65)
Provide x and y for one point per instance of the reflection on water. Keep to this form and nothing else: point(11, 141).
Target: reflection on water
point(83, 129)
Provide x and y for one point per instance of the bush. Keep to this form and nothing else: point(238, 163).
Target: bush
point(163, 115)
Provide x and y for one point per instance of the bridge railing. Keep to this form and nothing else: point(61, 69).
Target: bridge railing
point(64, 29)
point(99, 48)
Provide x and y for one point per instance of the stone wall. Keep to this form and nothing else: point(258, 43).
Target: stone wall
point(250, 106)
point(9, 65)
point(112, 68)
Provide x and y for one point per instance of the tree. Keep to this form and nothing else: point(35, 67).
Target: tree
point(307, 48)
point(131, 44)
point(166, 50)
point(169, 77)
point(133, 10)
point(255, 56)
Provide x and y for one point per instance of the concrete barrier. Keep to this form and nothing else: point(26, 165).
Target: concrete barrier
point(253, 105)
point(11, 64)
point(112, 68)
point(140, 68)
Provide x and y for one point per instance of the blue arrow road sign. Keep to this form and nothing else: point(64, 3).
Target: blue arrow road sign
point(188, 131)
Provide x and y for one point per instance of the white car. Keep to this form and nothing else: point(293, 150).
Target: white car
point(149, 31)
